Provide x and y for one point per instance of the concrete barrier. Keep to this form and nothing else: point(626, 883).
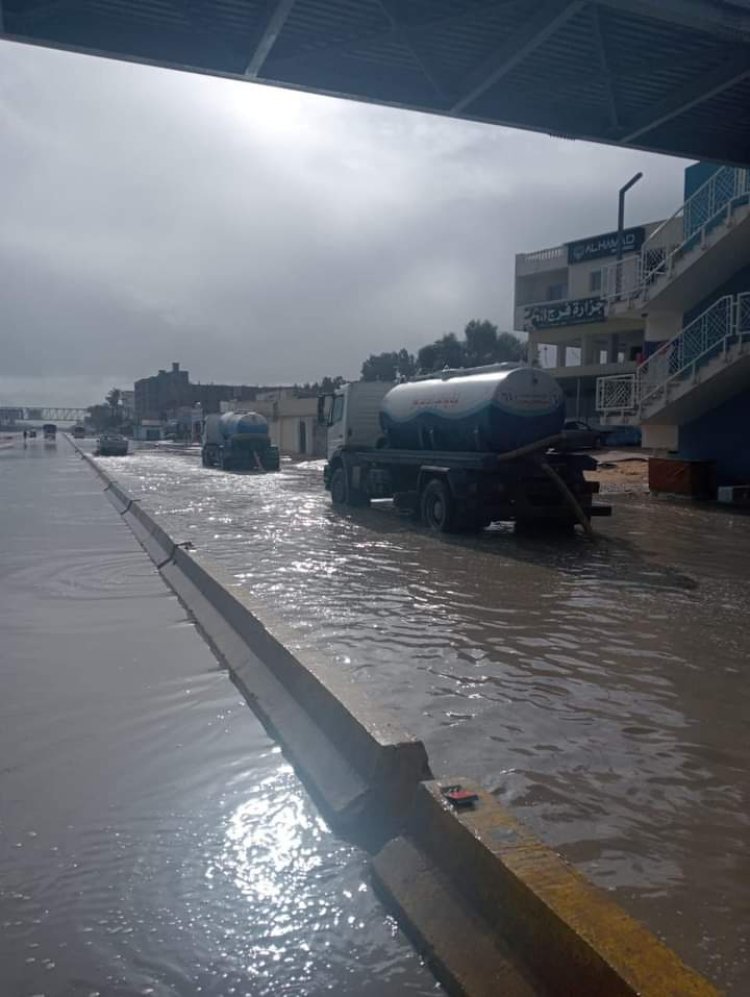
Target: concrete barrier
point(493, 910)
point(361, 769)
point(496, 911)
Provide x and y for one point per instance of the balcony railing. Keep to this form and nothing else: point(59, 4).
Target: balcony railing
point(545, 255)
point(711, 205)
point(712, 333)
point(617, 394)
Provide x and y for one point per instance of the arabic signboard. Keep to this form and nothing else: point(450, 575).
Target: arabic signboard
point(599, 246)
point(575, 312)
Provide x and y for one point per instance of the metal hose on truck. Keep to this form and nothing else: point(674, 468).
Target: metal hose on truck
point(568, 496)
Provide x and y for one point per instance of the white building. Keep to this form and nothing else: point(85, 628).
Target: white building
point(691, 393)
point(562, 302)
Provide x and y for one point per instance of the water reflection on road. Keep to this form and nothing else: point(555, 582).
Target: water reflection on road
point(598, 689)
point(153, 839)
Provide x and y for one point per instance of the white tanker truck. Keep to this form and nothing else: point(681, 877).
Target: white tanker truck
point(459, 449)
point(238, 441)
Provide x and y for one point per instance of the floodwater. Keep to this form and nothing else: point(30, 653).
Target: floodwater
point(153, 839)
point(599, 689)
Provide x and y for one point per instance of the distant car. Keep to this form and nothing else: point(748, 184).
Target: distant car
point(580, 436)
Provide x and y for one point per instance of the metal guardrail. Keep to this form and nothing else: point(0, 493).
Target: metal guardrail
point(722, 324)
point(710, 205)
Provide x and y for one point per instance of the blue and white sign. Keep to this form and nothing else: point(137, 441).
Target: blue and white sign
point(599, 246)
point(578, 311)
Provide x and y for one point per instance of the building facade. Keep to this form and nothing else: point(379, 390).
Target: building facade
point(156, 397)
point(562, 302)
point(165, 396)
point(691, 393)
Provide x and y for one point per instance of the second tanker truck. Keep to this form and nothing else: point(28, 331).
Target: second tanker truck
point(238, 441)
point(459, 449)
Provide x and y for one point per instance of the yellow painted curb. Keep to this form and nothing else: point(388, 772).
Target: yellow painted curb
point(558, 929)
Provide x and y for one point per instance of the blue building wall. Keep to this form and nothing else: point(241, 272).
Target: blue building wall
point(738, 283)
point(721, 435)
point(696, 175)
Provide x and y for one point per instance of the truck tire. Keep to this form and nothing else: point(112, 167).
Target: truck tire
point(438, 507)
point(339, 490)
point(342, 492)
point(208, 456)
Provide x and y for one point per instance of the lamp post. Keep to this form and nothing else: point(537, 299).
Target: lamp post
point(621, 210)
point(620, 227)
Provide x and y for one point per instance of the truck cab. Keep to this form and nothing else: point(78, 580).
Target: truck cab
point(352, 416)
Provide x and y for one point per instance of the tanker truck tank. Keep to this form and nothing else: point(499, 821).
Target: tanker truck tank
point(244, 425)
point(239, 441)
point(498, 411)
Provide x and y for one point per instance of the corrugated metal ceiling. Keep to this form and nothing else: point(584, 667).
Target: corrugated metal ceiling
point(672, 76)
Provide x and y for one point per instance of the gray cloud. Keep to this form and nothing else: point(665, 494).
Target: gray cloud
point(257, 234)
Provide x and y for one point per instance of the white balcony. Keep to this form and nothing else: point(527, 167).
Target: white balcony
point(706, 363)
point(555, 258)
point(691, 253)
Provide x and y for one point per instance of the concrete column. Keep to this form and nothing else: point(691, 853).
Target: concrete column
point(560, 354)
point(533, 350)
point(613, 348)
point(589, 351)
point(661, 326)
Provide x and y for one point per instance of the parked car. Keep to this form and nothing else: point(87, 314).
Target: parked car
point(579, 435)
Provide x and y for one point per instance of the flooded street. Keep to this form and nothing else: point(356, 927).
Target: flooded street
point(597, 689)
point(153, 840)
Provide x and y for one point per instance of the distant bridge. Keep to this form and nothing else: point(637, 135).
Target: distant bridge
point(43, 413)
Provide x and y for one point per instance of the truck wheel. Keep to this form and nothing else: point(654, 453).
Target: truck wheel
point(437, 506)
point(338, 487)
point(342, 492)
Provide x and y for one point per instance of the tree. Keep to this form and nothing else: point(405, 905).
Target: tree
point(406, 365)
point(100, 416)
point(329, 384)
point(444, 352)
point(509, 347)
point(113, 399)
point(481, 342)
point(380, 367)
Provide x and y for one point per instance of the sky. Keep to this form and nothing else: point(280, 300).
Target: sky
point(259, 235)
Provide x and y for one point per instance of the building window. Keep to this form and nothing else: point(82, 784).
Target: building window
point(555, 292)
point(595, 281)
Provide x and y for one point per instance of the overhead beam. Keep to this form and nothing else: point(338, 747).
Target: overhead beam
point(514, 49)
point(383, 37)
point(274, 22)
point(409, 36)
point(731, 71)
point(705, 16)
point(607, 78)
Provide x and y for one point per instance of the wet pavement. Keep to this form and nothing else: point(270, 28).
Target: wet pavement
point(152, 838)
point(598, 689)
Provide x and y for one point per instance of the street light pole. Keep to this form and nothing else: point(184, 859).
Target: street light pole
point(621, 210)
point(620, 227)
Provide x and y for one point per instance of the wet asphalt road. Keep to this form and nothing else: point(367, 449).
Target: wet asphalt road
point(598, 689)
